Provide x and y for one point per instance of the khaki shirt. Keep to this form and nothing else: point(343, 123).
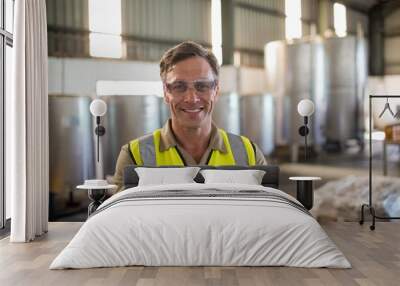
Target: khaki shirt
point(167, 140)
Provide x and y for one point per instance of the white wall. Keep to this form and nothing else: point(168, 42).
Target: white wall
point(242, 80)
point(79, 76)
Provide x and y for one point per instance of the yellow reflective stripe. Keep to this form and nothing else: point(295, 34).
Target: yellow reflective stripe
point(134, 148)
point(250, 151)
point(222, 159)
point(168, 157)
point(171, 156)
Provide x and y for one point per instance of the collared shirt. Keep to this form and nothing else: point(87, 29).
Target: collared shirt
point(167, 140)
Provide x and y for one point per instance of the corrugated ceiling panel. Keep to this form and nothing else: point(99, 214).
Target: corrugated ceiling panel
point(392, 47)
point(67, 13)
point(60, 13)
point(309, 10)
point(171, 20)
point(329, 14)
point(392, 44)
point(305, 29)
point(253, 29)
point(392, 21)
point(353, 18)
point(50, 8)
point(392, 69)
point(278, 5)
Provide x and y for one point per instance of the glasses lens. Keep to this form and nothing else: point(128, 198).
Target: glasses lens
point(178, 87)
point(203, 86)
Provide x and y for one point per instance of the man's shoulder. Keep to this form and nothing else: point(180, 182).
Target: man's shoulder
point(234, 134)
point(146, 136)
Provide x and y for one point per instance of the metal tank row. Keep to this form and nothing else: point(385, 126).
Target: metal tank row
point(71, 153)
point(73, 144)
point(129, 117)
point(330, 71)
point(249, 115)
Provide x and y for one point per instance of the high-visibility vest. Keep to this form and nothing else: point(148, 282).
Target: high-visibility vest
point(146, 151)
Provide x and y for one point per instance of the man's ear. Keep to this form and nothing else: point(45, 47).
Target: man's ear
point(166, 98)
point(217, 93)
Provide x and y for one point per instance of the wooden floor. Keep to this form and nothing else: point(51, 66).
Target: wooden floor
point(375, 256)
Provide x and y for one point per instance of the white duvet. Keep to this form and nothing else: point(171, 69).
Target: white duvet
point(183, 231)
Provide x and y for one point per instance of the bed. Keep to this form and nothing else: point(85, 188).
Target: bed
point(201, 224)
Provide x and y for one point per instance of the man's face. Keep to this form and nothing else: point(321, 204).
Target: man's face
point(190, 90)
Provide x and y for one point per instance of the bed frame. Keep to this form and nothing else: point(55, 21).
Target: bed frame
point(270, 179)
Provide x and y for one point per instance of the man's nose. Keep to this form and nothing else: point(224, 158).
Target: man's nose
point(191, 95)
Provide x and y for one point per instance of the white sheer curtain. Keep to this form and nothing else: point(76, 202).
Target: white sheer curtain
point(27, 122)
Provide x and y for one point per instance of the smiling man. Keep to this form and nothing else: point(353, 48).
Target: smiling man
point(191, 88)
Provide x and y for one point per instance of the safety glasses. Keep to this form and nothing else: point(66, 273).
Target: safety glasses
point(180, 87)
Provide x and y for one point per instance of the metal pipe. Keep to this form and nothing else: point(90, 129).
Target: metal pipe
point(370, 151)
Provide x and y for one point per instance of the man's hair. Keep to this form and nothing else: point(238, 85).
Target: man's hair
point(185, 51)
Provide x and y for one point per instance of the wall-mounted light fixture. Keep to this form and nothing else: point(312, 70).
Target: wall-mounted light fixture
point(98, 108)
point(305, 108)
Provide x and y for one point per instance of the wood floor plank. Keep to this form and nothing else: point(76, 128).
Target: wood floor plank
point(212, 272)
point(131, 276)
point(146, 282)
point(374, 255)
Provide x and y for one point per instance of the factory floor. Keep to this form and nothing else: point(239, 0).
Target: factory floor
point(334, 166)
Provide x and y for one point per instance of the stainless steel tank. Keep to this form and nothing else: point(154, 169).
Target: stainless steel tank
point(329, 71)
point(127, 118)
point(346, 60)
point(295, 71)
point(71, 151)
point(257, 120)
point(226, 114)
point(164, 111)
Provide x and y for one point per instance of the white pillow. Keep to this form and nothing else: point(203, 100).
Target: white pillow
point(248, 177)
point(163, 176)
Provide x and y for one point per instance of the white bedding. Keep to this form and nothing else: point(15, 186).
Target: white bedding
point(182, 231)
